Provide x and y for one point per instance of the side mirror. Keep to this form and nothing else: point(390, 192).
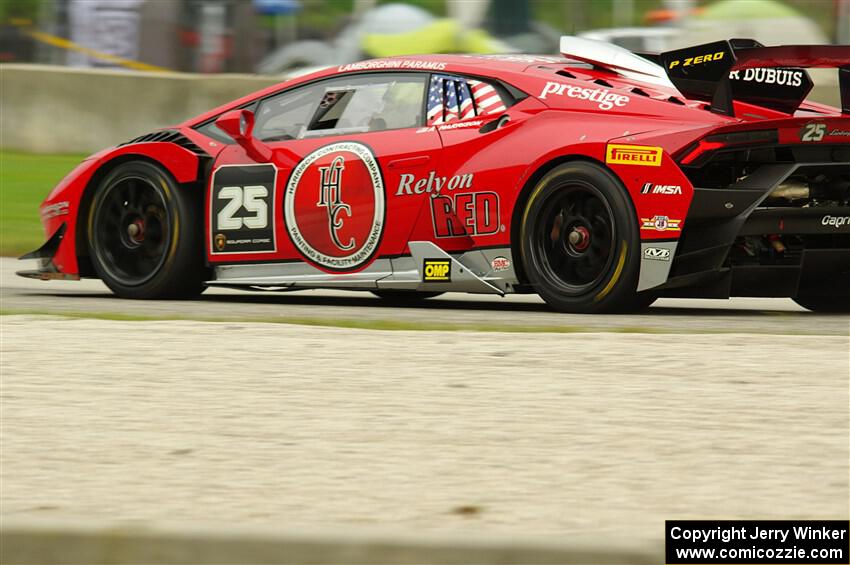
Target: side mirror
point(239, 125)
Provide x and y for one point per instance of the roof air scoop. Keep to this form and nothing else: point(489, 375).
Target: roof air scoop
point(614, 58)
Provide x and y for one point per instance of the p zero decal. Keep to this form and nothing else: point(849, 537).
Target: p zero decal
point(241, 209)
point(696, 60)
point(335, 207)
point(633, 155)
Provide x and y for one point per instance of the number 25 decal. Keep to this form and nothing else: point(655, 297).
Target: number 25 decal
point(252, 198)
point(241, 209)
point(812, 132)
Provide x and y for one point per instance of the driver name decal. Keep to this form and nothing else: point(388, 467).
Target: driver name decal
point(334, 206)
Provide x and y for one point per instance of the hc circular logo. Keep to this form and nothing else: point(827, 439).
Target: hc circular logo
point(334, 206)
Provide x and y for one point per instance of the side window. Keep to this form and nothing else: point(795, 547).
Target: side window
point(453, 98)
point(285, 115)
point(369, 103)
point(343, 105)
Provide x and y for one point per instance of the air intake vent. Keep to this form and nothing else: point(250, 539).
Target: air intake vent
point(639, 92)
point(168, 136)
point(602, 82)
point(567, 74)
point(675, 100)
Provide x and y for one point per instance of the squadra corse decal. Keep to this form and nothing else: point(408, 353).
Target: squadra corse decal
point(332, 217)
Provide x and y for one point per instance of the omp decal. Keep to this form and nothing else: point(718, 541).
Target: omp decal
point(53, 210)
point(656, 254)
point(437, 270)
point(465, 214)
point(660, 223)
point(408, 184)
point(835, 221)
point(633, 155)
point(698, 60)
point(499, 264)
point(780, 77)
point(649, 188)
point(393, 64)
point(604, 98)
point(241, 203)
point(334, 206)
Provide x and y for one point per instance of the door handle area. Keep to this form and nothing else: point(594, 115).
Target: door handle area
point(409, 162)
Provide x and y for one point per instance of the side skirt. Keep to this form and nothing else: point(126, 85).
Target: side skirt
point(482, 271)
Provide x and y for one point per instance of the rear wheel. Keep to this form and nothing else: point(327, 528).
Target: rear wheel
point(580, 241)
point(144, 234)
point(825, 304)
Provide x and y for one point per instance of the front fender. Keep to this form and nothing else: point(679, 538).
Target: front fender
point(68, 201)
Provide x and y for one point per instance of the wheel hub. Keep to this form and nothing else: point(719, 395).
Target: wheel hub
point(136, 230)
point(579, 238)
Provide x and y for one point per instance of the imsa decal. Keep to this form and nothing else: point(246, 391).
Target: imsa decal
point(241, 202)
point(436, 270)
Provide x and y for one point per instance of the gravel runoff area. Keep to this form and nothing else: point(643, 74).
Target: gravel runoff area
point(305, 426)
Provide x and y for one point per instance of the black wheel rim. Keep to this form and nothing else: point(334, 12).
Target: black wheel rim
point(131, 230)
point(574, 237)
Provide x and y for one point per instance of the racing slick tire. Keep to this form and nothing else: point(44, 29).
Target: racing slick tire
point(580, 241)
point(824, 304)
point(144, 234)
point(404, 296)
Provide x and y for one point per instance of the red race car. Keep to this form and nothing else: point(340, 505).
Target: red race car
point(599, 180)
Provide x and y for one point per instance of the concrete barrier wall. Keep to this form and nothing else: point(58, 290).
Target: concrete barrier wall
point(35, 542)
point(45, 109)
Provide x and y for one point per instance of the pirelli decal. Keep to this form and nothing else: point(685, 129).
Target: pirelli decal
point(633, 155)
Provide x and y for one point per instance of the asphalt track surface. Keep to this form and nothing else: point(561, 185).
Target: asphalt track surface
point(452, 310)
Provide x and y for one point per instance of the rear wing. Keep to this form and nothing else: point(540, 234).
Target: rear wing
point(743, 69)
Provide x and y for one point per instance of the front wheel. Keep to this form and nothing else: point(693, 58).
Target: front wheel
point(580, 241)
point(144, 234)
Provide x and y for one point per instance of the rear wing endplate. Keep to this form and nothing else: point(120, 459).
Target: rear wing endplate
point(743, 69)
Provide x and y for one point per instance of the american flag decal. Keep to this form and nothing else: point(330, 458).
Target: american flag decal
point(452, 98)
